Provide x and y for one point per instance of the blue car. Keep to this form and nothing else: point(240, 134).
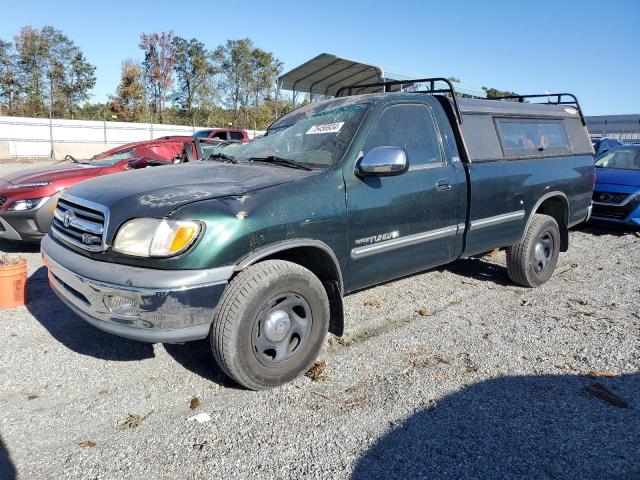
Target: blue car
point(604, 145)
point(616, 195)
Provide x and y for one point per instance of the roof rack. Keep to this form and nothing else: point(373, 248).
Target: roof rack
point(391, 83)
point(559, 100)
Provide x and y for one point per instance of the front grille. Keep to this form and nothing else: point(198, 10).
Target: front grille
point(80, 222)
point(2, 200)
point(609, 197)
point(613, 211)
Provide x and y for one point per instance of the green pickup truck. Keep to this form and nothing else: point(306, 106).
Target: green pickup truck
point(256, 247)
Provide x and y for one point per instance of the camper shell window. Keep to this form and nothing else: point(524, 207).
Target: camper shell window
point(496, 131)
point(532, 137)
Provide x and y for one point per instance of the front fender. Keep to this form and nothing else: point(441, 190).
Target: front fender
point(242, 228)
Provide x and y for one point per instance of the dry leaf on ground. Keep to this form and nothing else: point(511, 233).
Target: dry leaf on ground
point(316, 372)
point(132, 421)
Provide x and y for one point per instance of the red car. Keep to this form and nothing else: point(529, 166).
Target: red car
point(234, 134)
point(28, 197)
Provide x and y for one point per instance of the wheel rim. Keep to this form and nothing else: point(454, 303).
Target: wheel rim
point(543, 252)
point(281, 328)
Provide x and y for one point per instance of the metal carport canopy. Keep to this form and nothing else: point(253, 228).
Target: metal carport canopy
point(326, 74)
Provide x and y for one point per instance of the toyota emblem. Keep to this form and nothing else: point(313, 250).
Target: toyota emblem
point(68, 217)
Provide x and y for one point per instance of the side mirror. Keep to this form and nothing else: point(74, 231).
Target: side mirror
point(382, 162)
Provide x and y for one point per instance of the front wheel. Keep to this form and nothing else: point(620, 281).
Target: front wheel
point(270, 324)
point(531, 261)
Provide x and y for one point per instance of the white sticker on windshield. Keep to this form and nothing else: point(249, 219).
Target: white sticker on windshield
point(326, 128)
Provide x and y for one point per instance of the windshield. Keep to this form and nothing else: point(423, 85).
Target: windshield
point(111, 160)
point(212, 147)
point(315, 140)
point(621, 158)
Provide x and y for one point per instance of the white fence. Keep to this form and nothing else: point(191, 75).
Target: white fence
point(22, 137)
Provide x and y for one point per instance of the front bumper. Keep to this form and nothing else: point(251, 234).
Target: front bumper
point(624, 213)
point(27, 225)
point(168, 306)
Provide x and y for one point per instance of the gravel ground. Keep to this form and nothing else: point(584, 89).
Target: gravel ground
point(454, 373)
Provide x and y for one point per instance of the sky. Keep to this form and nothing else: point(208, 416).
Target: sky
point(589, 48)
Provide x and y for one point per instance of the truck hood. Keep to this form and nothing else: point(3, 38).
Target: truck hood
point(617, 176)
point(156, 192)
point(50, 173)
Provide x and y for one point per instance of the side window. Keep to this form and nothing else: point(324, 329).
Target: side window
point(522, 138)
point(410, 127)
point(220, 135)
point(236, 135)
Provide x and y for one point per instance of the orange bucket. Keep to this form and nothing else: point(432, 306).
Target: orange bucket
point(13, 284)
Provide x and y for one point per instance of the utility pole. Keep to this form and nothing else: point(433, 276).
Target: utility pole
point(51, 152)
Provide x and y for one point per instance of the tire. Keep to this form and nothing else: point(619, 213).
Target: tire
point(253, 341)
point(531, 261)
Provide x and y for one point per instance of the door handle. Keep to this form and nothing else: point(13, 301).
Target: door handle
point(443, 185)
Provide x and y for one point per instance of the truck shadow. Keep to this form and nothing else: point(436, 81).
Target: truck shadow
point(478, 269)
point(80, 337)
point(197, 358)
point(526, 427)
point(73, 332)
point(18, 247)
point(7, 470)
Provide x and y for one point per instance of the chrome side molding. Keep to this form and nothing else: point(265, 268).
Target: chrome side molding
point(497, 220)
point(387, 245)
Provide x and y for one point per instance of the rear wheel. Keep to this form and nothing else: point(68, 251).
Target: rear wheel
point(531, 261)
point(270, 324)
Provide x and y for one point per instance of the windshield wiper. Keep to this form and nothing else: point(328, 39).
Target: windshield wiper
point(69, 157)
point(280, 161)
point(222, 156)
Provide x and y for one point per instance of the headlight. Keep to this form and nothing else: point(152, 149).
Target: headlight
point(153, 237)
point(21, 205)
point(29, 185)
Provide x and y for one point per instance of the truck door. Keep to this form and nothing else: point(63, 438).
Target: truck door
point(402, 224)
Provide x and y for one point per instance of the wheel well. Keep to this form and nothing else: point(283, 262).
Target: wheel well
point(322, 266)
point(557, 208)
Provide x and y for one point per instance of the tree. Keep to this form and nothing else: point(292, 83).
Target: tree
point(43, 72)
point(235, 64)
point(129, 103)
point(495, 93)
point(266, 69)
point(52, 73)
point(59, 52)
point(246, 73)
point(194, 71)
point(30, 57)
point(9, 86)
point(80, 79)
point(159, 58)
